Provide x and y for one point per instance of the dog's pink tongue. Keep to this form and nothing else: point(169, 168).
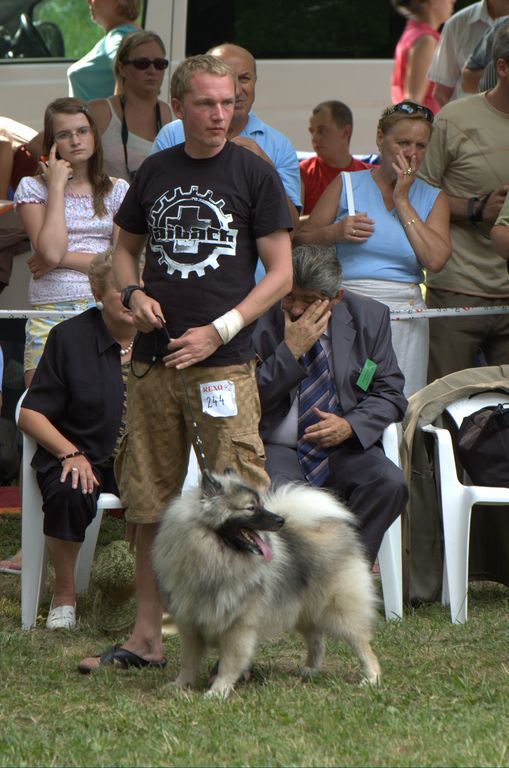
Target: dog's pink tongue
point(266, 550)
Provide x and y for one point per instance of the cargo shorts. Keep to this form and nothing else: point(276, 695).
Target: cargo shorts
point(151, 465)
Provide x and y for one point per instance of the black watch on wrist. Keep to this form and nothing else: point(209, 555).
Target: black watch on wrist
point(471, 216)
point(127, 292)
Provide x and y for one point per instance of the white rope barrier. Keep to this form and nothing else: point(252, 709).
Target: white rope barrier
point(24, 314)
point(415, 314)
point(402, 314)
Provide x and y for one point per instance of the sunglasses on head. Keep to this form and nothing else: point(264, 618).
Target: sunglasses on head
point(144, 63)
point(410, 108)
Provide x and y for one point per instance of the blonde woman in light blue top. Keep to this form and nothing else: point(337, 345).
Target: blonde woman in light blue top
point(394, 227)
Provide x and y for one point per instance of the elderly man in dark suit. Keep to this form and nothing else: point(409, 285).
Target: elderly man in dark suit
point(329, 384)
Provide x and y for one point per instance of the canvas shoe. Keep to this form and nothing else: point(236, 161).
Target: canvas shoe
point(63, 617)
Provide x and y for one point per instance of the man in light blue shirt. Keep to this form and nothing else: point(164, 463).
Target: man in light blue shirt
point(246, 129)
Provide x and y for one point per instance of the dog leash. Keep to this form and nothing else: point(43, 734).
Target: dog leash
point(197, 442)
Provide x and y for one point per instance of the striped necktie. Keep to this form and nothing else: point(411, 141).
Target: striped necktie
point(316, 391)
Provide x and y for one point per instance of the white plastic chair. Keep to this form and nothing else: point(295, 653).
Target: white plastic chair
point(35, 560)
point(33, 544)
point(390, 552)
point(457, 499)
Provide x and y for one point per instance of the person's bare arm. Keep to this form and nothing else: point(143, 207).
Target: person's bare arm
point(34, 217)
point(491, 208)
point(500, 240)
point(430, 239)
point(45, 225)
point(470, 79)
point(126, 271)
point(38, 426)
point(442, 93)
point(77, 260)
point(101, 113)
point(275, 253)
point(34, 146)
point(416, 76)
point(321, 229)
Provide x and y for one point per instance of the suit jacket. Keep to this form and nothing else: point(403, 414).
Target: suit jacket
point(359, 329)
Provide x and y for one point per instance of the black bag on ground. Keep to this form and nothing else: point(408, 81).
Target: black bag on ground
point(482, 443)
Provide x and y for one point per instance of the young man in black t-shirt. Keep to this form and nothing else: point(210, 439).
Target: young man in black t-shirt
point(209, 208)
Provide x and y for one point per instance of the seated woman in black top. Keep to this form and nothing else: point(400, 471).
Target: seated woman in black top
point(74, 410)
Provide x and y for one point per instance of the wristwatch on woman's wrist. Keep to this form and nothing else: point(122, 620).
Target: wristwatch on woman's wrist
point(127, 292)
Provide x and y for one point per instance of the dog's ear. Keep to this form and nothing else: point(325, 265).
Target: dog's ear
point(209, 485)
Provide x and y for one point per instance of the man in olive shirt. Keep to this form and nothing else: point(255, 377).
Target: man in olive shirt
point(468, 157)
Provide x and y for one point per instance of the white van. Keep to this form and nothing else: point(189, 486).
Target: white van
point(307, 52)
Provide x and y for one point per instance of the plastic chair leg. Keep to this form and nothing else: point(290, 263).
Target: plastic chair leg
point(456, 537)
point(446, 600)
point(389, 560)
point(33, 572)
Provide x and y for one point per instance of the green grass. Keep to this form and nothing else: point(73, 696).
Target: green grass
point(443, 701)
point(73, 18)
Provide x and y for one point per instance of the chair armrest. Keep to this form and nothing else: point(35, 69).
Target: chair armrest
point(390, 442)
point(446, 457)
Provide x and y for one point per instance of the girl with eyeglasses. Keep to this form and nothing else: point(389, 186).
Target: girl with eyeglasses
point(388, 226)
point(129, 121)
point(67, 211)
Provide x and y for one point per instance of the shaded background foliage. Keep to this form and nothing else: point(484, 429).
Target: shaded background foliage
point(295, 28)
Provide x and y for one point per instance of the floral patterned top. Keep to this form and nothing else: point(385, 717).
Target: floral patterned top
point(86, 232)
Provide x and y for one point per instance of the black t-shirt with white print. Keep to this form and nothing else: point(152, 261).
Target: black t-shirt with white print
point(203, 217)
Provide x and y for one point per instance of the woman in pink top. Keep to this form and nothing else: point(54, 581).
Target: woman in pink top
point(415, 49)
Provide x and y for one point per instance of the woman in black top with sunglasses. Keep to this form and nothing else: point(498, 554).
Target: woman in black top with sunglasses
point(389, 229)
point(129, 121)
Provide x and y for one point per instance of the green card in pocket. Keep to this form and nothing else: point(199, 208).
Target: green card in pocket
point(366, 375)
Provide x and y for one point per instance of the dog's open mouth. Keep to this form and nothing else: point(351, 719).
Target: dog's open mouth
point(238, 536)
point(241, 532)
point(256, 544)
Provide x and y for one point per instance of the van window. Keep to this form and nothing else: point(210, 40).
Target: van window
point(298, 29)
point(46, 29)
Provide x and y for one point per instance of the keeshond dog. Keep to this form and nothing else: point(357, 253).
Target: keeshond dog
point(234, 568)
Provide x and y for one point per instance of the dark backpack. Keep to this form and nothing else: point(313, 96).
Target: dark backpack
point(482, 443)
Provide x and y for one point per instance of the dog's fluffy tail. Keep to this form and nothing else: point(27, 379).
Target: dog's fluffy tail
point(305, 505)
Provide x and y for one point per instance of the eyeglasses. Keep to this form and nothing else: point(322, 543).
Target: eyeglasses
point(409, 108)
point(144, 63)
point(81, 133)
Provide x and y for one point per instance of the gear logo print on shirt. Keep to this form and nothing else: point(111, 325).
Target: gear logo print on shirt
point(190, 231)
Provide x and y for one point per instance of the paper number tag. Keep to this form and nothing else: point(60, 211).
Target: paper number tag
point(366, 375)
point(218, 398)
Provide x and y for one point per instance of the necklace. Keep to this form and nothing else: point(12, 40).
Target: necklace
point(127, 349)
point(125, 133)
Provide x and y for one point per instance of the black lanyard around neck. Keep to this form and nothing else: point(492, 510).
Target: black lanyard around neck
point(125, 133)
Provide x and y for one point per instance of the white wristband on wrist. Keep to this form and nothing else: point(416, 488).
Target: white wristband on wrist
point(228, 325)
